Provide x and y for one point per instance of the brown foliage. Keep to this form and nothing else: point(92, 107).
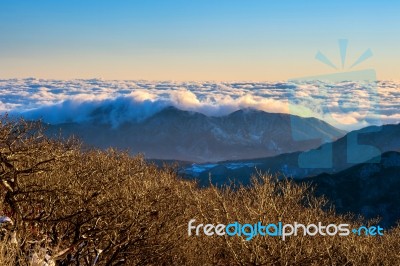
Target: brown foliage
point(91, 207)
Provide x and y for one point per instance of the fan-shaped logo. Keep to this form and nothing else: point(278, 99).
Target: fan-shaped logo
point(334, 101)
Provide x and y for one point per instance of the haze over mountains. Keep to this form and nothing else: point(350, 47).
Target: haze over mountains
point(233, 130)
point(346, 105)
point(209, 122)
point(189, 136)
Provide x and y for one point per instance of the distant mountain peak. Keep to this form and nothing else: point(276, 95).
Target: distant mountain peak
point(191, 136)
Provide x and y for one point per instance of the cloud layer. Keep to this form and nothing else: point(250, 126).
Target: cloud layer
point(347, 105)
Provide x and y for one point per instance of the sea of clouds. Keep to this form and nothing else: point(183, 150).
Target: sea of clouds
point(346, 105)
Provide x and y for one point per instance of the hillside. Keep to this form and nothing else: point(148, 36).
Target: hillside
point(369, 189)
point(64, 205)
point(354, 148)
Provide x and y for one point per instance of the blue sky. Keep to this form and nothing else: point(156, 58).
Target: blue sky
point(193, 40)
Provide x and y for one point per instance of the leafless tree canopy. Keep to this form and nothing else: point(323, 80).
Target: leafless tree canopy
point(76, 206)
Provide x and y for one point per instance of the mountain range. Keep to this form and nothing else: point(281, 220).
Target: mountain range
point(363, 177)
point(359, 172)
point(174, 134)
point(356, 147)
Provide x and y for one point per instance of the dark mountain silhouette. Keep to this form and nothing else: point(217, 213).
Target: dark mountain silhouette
point(370, 189)
point(173, 134)
point(356, 147)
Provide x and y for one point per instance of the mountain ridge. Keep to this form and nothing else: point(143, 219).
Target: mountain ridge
point(369, 189)
point(174, 134)
point(354, 148)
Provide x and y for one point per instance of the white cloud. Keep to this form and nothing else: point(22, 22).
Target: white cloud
point(345, 105)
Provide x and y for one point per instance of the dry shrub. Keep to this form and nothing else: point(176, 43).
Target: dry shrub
point(90, 207)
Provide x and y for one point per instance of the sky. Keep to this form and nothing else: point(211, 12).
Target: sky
point(194, 40)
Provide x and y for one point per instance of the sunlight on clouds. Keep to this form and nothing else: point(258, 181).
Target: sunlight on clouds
point(346, 105)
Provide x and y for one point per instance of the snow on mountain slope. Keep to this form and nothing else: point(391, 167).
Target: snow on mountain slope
point(190, 136)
